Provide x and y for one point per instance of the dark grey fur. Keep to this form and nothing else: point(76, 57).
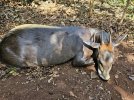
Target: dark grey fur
point(44, 46)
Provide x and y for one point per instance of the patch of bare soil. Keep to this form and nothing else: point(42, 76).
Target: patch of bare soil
point(70, 83)
point(66, 82)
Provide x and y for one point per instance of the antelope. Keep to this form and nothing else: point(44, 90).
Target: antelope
point(40, 45)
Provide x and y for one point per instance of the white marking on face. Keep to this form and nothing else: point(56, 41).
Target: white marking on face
point(103, 75)
point(105, 64)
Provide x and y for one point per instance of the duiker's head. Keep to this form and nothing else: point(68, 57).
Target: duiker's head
point(104, 56)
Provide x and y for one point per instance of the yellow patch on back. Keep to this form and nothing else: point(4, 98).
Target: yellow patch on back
point(25, 26)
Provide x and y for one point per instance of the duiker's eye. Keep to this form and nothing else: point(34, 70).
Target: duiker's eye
point(102, 57)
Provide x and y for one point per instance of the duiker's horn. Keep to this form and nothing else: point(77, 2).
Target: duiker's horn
point(110, 39)
point(102, 42)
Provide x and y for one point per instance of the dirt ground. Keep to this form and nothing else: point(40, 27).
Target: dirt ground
point(66, 82)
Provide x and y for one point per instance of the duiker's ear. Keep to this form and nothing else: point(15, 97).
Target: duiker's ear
point(92, 44)
point(119, 39)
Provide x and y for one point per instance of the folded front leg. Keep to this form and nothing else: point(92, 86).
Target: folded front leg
point(80, 60)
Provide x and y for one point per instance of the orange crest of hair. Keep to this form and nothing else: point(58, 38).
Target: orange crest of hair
point(106, 47)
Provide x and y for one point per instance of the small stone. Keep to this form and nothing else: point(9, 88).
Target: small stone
point(93, 75)
point(91, 98)
point(109, 92)
point(83, 73)
point(77, 70)
point(116, 76)
point(101, 88)
point(72, 94)
point(37, 88)
point(49, 81)
point(131, 77)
